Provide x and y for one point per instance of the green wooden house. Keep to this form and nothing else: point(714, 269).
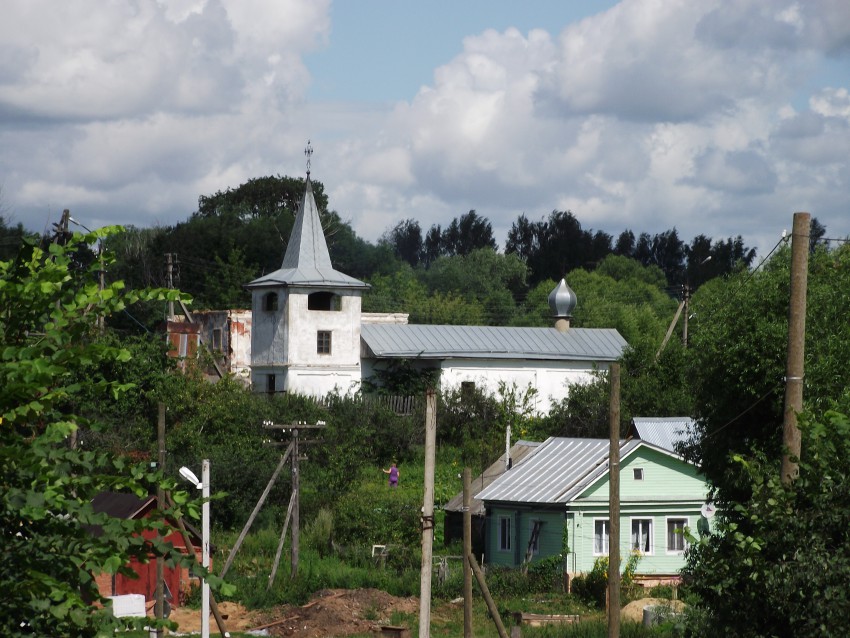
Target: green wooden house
point(558, 498)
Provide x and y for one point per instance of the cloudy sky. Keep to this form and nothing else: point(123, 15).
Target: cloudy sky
point(720, 117)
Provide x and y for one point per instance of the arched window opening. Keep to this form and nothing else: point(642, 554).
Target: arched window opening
point(323, 301)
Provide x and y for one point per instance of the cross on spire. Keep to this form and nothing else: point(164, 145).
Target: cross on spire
point(309, 153)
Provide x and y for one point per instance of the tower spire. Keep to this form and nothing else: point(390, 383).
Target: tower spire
point(308, 152)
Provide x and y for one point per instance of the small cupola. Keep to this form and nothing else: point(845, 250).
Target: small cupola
point(562, 301)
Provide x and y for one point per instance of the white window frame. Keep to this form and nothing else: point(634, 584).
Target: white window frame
point(606, 536)
point(651, 532)
point(676, 552)
point(505, 525)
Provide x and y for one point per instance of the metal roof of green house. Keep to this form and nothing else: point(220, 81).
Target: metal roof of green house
point(491, 342)
point(307, 262)
point(559, 471)
point(665, 432)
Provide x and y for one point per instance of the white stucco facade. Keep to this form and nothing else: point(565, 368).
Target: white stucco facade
point(309, 351)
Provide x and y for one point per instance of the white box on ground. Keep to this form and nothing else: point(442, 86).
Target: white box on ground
point(128, 605)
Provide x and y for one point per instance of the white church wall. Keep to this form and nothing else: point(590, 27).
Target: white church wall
point(551, 379)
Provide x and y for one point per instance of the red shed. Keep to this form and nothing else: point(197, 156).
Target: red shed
point(177, 579)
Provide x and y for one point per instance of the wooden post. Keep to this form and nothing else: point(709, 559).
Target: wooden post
point(159, 606)
point(796, 342)
point(485, 591)
point(428, 514)
point(614, 505)
point(280, 542)
point(467, 551)
point(296, 487)
point(257, 508)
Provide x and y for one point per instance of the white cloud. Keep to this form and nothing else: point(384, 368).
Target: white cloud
point(653, 114)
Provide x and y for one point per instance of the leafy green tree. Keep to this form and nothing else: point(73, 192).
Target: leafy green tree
point(738, 340)
point(483, 276)
point(49, 553)
point(776, 564)
point(467, 234)
point(405, 238)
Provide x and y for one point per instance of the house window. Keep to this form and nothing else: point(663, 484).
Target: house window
point(271, 385)
point(270, 302)
point(467, 387)
point(323, 342)
point(323, 301)
point(600, 536)
point(216, 338)
point(642, 535)
point(638, 473)
point(675, 534)
point(504, 534)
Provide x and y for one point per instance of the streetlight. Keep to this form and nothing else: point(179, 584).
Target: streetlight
point(203, 484)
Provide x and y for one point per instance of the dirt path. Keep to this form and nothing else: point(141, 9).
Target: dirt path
point(331, 612)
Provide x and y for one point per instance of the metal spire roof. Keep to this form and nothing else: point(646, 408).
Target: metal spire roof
point(307, 261)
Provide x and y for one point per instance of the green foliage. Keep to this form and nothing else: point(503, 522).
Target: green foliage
point(374, 513)
point(593, 586)
point(49, 304)
point(776, 563)
point(401, 378)
point(737, 360)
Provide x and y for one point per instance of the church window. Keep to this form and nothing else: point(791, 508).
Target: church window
point(323, 301)
point(270, 302)
point(323, 342)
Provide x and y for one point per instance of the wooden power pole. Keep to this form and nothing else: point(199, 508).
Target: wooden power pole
point(160, 504)
point(796, 341)
point(614, 505)
point(467, 550)
point(428, 514)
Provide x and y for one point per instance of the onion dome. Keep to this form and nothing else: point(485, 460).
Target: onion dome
point(562, 301)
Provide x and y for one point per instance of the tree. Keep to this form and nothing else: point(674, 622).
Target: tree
point(405, 238)
point(776, 564)
point(47, 323)
point(737, 349)
point(467, 234)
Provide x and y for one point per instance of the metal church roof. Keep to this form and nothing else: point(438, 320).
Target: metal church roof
point(664, 432)
point(491, 342)
point(559, 471)
point(307, 261)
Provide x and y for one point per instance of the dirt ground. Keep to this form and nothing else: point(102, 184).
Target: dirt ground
point(331, 612)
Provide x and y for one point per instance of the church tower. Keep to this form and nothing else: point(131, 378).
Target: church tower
point(306, 315)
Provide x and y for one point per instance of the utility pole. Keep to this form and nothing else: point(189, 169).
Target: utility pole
point(160, 504)
point(686, 297)
point(796, 342)
point(467, 550)
point(296, 490)
point(428, 514)
point(614, 504)
point(169, 281)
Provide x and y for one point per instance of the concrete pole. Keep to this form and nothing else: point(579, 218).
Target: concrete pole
point(428, 514)
point(467, 551)
point(205, 549)
point(614, 505)
point(796, 342)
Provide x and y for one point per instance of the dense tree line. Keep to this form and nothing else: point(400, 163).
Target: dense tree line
point(453, 273)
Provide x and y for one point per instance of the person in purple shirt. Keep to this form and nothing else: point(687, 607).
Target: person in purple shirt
point(393, 472)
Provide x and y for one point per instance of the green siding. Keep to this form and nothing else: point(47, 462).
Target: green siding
point(522, 522)
point(664, 478)
point(670, 488)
